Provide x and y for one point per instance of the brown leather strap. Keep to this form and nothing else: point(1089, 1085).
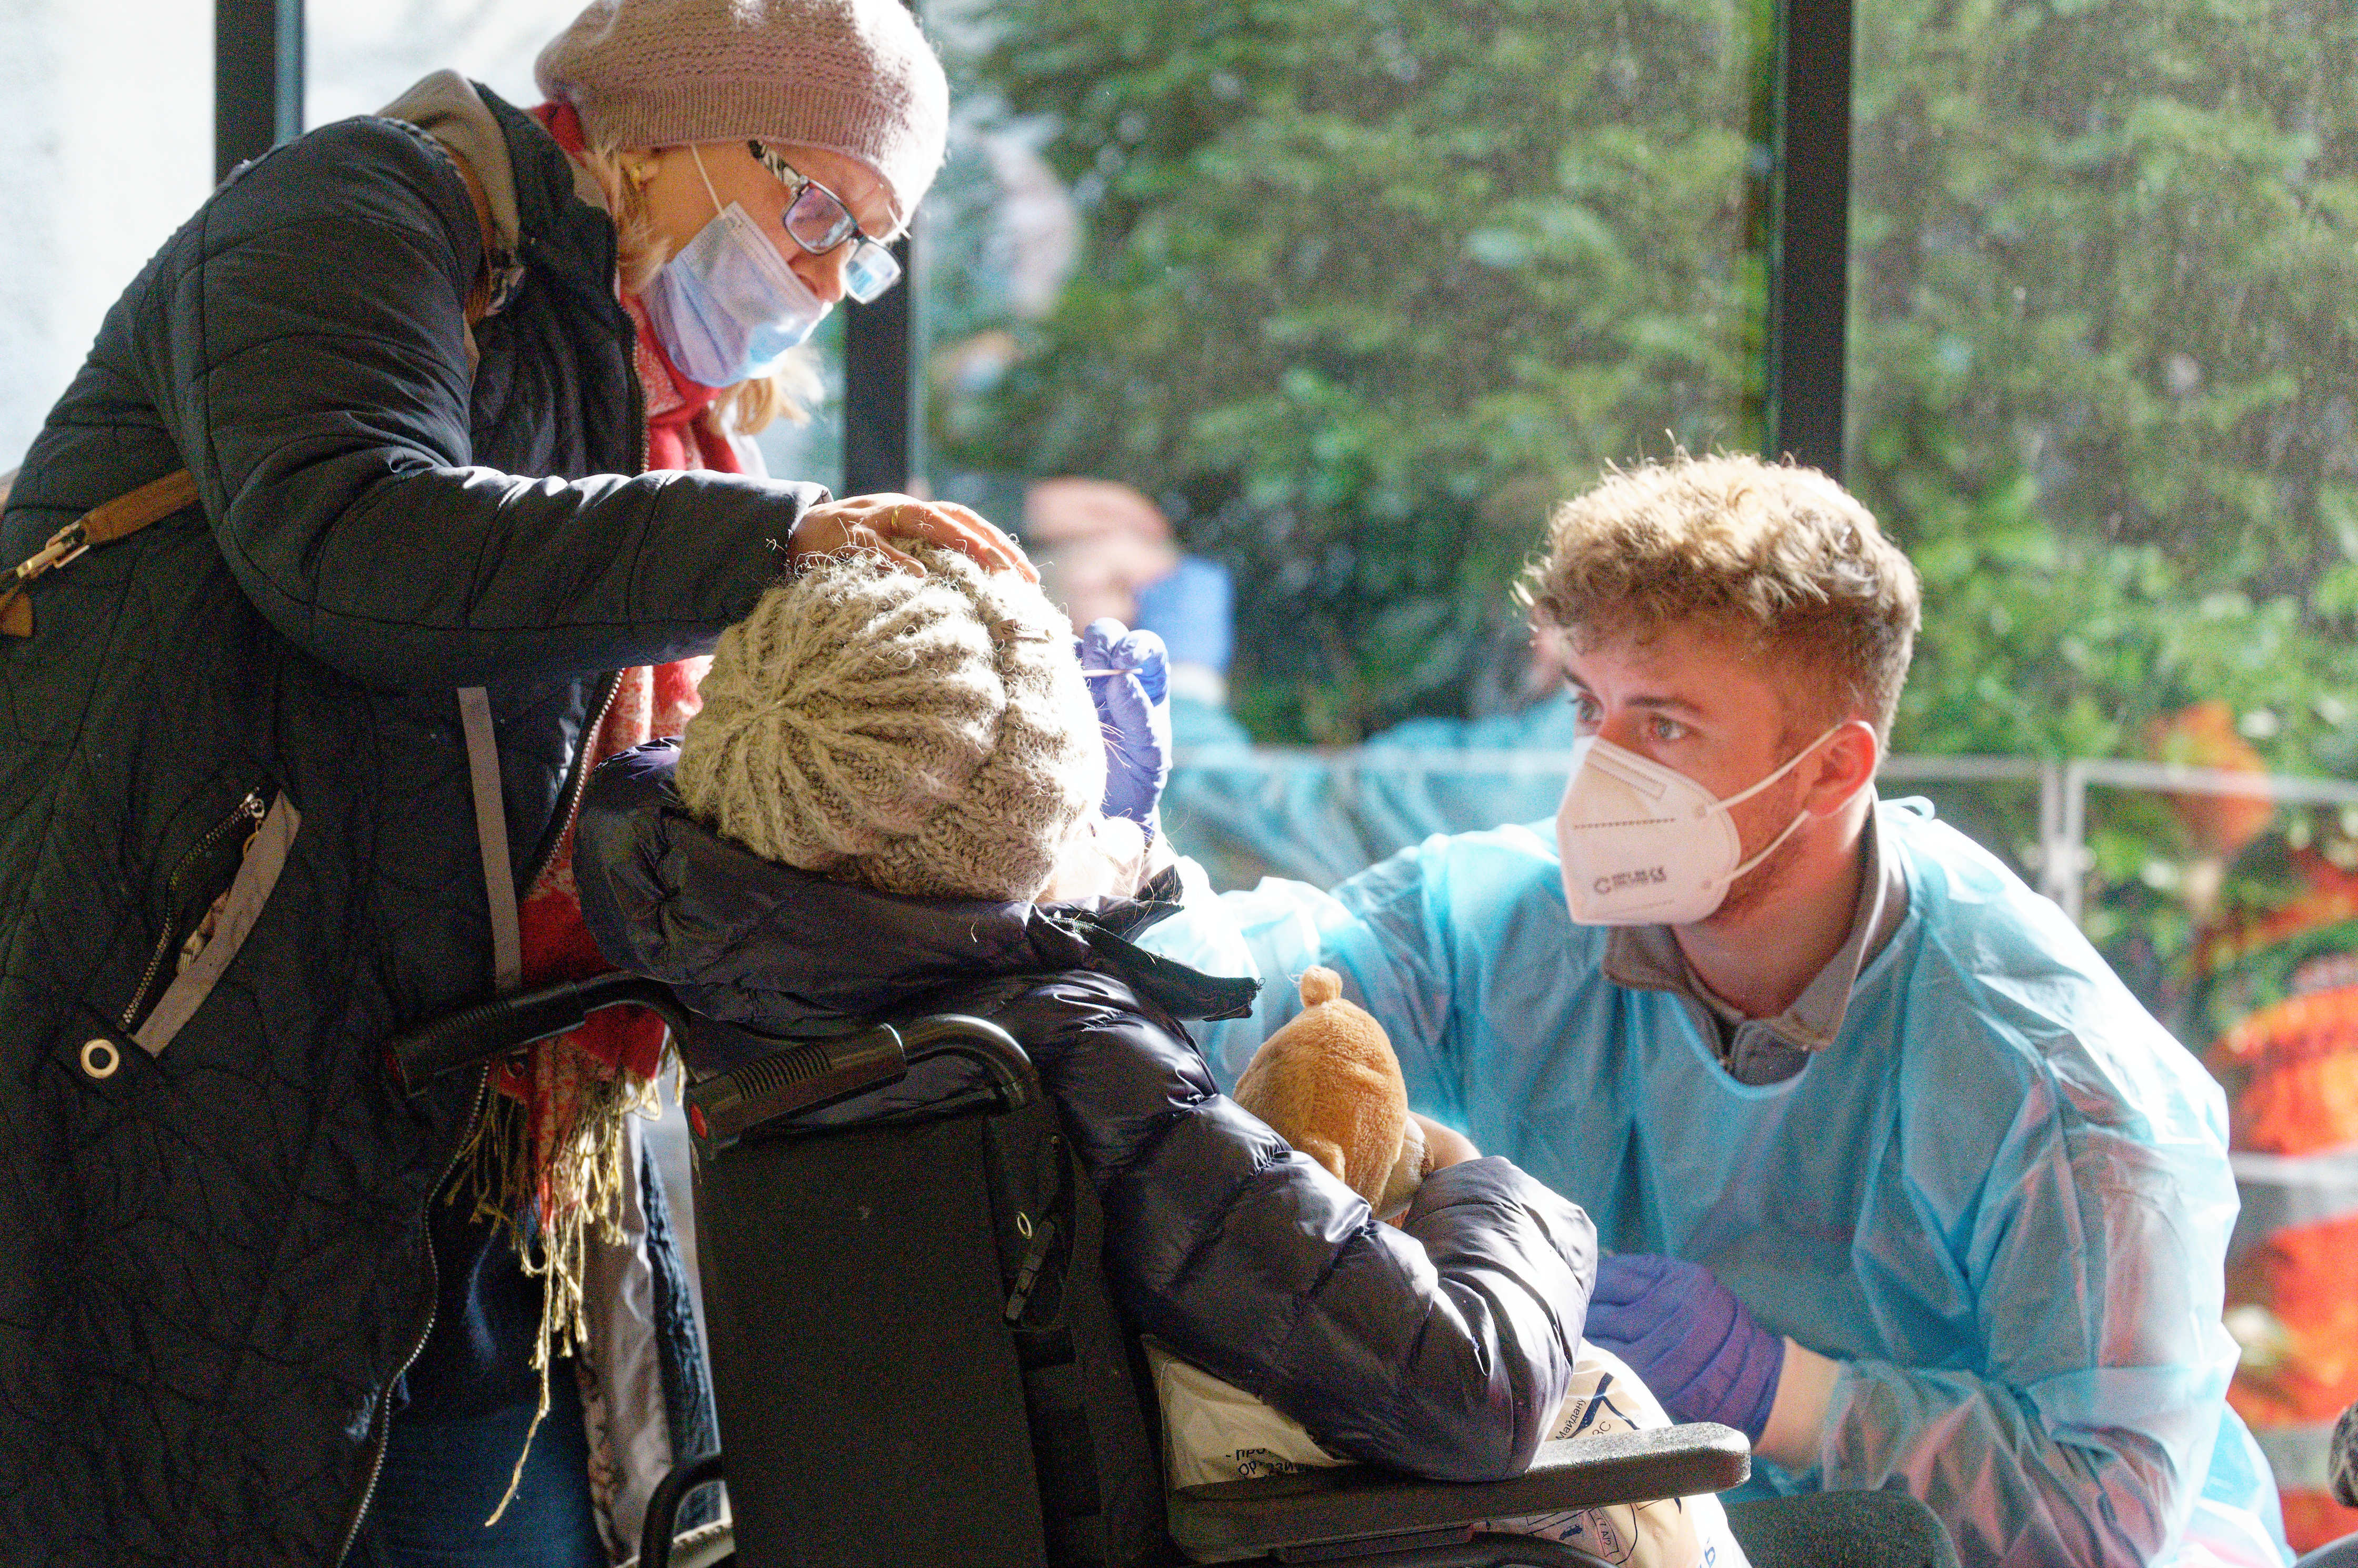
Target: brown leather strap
point(479, 298)
point(150, 503)
point(103, 524)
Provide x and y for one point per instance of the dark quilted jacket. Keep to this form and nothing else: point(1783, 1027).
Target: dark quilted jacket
point(214, 1265)
point(1445, 1358)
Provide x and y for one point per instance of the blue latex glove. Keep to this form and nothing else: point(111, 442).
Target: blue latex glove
point(1128, 678)
point(1688, 1337)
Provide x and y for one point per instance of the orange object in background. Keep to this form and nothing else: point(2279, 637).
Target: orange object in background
point(2304, 1366)
point(2298, 1064)
point(2204, 735)
point(2292, 1295)
point(2314, 1518)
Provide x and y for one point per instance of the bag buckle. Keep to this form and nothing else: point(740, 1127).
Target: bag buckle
point(67, 546)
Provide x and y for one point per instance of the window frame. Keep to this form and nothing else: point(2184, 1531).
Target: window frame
point(258, 103)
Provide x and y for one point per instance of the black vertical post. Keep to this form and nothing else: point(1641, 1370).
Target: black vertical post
point(880, 410)
point(879, 364)
point(1809, 275)
point(258, 78)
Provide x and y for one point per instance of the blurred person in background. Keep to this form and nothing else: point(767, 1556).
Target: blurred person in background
point(460, 393)
point(1107, 552)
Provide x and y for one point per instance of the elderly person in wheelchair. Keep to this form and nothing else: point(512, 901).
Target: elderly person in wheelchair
point(889, 806)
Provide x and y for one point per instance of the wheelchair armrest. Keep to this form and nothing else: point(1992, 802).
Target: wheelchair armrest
point(1246, 1518)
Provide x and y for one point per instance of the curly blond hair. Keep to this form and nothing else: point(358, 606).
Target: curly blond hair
point(1775, 553)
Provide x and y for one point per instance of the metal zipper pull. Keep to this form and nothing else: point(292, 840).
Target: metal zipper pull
point(251, 809)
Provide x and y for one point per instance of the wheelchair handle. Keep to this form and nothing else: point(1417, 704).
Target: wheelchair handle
point(818, 1072)
point(663, 1507)
point(508, 1024)
point(979, 1041)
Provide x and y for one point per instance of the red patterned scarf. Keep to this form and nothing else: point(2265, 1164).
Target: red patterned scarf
point(548, 1156)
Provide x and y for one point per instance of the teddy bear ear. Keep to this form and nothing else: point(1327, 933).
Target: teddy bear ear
point(1319, 985)
point(1326, 1152)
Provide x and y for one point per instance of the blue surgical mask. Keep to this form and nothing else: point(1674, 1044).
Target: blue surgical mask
point(728, 308)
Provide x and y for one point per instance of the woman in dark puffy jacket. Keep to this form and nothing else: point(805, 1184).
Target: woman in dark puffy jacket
point(890, 777)
point(458, 391)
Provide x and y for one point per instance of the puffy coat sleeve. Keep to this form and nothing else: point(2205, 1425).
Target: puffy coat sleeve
point(304, 340)
point(1442, 1350)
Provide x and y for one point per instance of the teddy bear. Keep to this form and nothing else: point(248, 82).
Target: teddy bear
point(1329, 1083)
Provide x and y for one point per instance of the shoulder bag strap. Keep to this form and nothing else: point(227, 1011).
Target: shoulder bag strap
point(100, 526)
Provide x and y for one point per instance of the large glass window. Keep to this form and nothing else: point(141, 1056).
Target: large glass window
point(105, 147)
point(1277, 327)
point(1347, 291)
point(2105, 354)
point(2103, 338)
point(362, 56)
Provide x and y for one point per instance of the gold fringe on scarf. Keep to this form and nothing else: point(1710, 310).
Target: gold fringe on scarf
point(551, 1173)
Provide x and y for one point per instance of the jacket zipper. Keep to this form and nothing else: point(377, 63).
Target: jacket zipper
point(576, 777)
point(579, 775)
point(638, 416)
point(380, 1424)
point(249, 809)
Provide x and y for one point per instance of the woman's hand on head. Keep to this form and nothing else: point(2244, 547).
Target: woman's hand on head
point(880, 523)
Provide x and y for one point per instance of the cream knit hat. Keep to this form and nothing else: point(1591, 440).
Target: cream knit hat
point(920, 735)
point(852, 76)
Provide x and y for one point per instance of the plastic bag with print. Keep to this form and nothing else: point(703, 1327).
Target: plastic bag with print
point(1215, 1431)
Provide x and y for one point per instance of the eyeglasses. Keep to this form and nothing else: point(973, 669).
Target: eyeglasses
point(818, 221)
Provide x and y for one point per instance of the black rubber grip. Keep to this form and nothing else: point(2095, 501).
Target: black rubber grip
point(723, 1108)
point(663, 1507)
point(507, 1023)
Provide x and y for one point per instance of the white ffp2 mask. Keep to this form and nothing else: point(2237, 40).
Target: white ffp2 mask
point(1645, 845)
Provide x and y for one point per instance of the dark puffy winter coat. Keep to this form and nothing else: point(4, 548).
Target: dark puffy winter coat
point(215, 1264)
point(1442, 1348)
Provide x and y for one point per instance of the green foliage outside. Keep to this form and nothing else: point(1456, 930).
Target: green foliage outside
point(2106, 358)
point(1366, 284)
point(2107, 349)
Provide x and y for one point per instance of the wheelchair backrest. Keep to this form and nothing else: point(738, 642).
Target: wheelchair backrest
point(878, 1403)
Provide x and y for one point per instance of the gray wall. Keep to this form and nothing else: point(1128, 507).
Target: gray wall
point(106, 145)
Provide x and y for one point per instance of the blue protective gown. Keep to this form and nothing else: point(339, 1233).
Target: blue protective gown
point(2000, 1197)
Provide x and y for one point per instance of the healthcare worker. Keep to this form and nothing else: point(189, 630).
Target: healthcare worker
point(460, 393)
point(1897, 1177)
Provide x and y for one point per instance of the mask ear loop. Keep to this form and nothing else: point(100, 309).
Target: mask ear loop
point(700, 174)
point(766, 255)
point(1787, 766)
point(1744, 795)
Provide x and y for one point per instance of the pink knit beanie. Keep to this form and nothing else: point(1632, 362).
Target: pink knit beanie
point(854, 77)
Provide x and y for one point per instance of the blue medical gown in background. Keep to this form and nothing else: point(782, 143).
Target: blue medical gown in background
point(1320, 816)
point(2001, 1197)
